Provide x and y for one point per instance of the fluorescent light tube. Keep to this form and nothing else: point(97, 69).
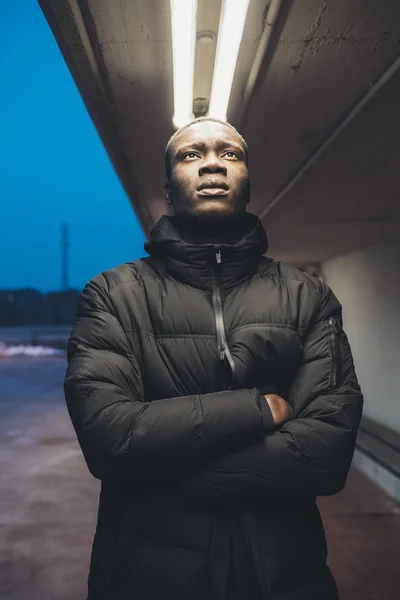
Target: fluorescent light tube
point(183, 23)
point(231, 25)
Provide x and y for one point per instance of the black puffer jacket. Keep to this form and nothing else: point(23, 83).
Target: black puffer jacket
point(166, 361)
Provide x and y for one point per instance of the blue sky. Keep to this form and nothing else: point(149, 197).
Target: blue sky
point(53, 167)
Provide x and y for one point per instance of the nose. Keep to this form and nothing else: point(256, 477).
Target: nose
point(212, 164)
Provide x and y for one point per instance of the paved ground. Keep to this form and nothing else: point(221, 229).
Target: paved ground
point(48, 502)
point(363, 529)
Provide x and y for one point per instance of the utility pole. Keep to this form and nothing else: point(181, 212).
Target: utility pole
point(64, 257)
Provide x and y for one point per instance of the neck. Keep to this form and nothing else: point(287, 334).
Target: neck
point(210, 231)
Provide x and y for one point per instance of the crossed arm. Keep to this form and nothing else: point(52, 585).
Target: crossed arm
point(309, 455)
point(216, 444)
point(147, 442)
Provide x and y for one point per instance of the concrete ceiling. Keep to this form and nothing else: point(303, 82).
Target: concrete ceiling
point(321, 123)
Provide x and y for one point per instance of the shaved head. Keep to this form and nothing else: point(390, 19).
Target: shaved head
point(207, 174)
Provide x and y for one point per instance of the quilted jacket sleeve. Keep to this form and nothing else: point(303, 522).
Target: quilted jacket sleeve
point(122, 434)
point(311, 454)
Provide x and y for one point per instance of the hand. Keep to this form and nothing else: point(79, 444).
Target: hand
point(281, 410)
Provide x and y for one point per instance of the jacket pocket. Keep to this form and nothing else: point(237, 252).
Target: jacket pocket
point(334, 334)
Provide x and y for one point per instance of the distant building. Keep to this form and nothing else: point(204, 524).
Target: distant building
point(31, 307)
point(59, 308)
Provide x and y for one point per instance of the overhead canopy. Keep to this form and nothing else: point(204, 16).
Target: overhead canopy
point(322, 122)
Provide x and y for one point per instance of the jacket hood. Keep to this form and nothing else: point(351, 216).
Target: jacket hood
point(194, 263)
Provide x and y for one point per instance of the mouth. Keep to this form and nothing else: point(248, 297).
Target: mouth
point(213, 187)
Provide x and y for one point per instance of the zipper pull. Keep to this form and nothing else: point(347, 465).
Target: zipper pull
point(222, 354)
point(218, 256)
point(335, 326)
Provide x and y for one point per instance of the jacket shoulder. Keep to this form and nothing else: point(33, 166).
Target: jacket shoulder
point(290, 273)
point(322, 297)
point(130, 272)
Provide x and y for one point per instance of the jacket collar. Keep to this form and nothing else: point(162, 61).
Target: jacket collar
point(194, 264)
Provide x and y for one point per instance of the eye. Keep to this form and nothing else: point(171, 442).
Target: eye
point(189, 155)
point(231, 154)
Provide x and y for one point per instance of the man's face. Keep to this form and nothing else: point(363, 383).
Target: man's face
point(209, 176)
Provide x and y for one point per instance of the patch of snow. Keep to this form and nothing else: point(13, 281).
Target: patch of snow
point(28, 350)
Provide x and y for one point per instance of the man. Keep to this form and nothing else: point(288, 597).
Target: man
point(213, 393)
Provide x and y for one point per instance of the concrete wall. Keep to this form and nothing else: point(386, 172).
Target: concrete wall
point(367, 283)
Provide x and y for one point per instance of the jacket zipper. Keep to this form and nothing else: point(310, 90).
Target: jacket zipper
point(335, 331)
point(224, 353)
point(222, 344)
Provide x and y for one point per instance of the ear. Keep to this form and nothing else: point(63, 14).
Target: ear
point(167, 193)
